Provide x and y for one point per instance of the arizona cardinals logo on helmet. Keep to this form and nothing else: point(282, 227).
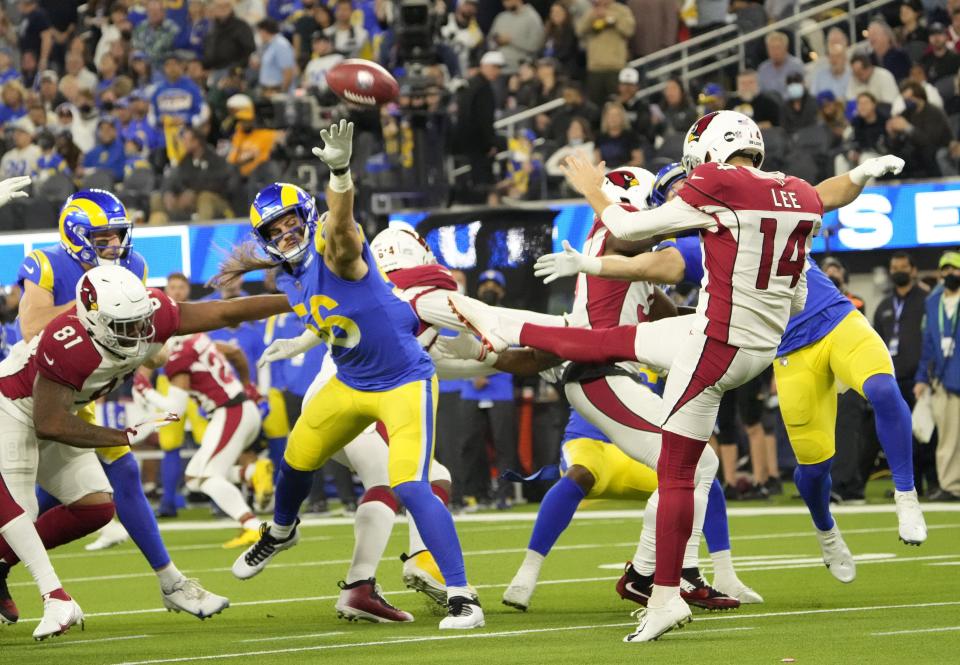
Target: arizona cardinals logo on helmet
point(88, 294)
point(700, 126)
point(623, 179)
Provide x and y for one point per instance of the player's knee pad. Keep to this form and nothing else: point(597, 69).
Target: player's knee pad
point(384, 495)
point(193, 484)
point(883, 393)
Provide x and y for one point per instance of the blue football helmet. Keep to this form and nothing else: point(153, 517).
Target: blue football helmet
point(273, 202)
point(666, 178)
point(88, 212)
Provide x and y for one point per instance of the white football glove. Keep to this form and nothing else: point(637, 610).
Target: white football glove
point(141, 431)
point(876, 167)
point(282, 349)
point(462, 347)
point(564, 264)
point(10, 189)
point(337, 145)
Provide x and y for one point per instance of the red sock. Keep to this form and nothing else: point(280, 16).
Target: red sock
point(441, 493)
point(59, 594)
point(679, 456)
point(384, 495)
point(604, 345)
point(64, 524)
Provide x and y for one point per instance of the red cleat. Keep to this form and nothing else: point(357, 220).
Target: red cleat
point(8, 609)
point(634, 586)
point(695, 590)
point(362, 601)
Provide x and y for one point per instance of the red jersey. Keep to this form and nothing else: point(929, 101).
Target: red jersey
point(65, 353)
point(213, 382)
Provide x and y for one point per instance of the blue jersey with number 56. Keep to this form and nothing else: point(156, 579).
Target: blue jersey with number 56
point(371, 333)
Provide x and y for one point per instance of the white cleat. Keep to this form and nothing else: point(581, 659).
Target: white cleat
point(58, 616)
point(836, 555)
point(480, 319)
point(188, 596)
point(737, 589)
point(111, 535)
point(420, 573)
point(259, 554)
point(520, 591)
point(656, 622)
point(463, 613)
point(912, 528)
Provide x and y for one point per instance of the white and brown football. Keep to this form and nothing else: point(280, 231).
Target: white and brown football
point(363, 82)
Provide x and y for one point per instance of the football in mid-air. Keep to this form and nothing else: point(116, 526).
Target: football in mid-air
point(363, 82)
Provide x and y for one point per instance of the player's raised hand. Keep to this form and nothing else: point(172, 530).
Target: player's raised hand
point(462, 347)
point(141, 431)
point(10, 188)
point(283, 349)
point(337, 145)
point(569, 262)
point(878, 166)
point(582, 175)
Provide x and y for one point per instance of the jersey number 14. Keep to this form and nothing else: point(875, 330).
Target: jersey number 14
point(791, 259)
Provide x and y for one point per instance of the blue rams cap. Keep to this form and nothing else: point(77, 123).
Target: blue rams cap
point(493, 276)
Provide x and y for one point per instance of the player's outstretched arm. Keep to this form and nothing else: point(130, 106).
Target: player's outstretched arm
point(522, 362)
point(202, 317)
point(843, 189)
point(53, 420)
point(343, 252)
point(663, 267)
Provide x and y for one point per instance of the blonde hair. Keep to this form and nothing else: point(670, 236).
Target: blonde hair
point(615, 107)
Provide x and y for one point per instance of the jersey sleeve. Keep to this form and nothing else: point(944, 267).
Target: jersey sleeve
point(166, 316)
point(36, 268)
point(66, 361)
point(704, 187)
point(181, 358)
point(626, 222)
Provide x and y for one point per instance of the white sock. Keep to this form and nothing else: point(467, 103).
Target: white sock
point(372, 526)
point(416, 543)
point(691, 555)
point(462, 591)
point(169, 576)
point(645, 558)
point(661, 595)
point(723, 565)
point(281, 532)
point(23, 539)
point(227, 496)
point(532, 563)
point(510, 329)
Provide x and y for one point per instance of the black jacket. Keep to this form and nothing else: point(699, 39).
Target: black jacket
point(229, 44)
point(909, 335)
point(475, 116)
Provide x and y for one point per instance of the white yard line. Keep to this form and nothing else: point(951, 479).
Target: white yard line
point(944, 629)
point(277, 638)
point(512, 633)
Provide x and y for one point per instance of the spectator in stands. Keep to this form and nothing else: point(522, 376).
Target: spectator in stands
point(523, 86)
point(107, 71)
point(884, 47)
point(918, 75)
point(462, 33)
point(22, 158)
point(868, 77)
point(799, 108)
point(155, 35)
point(251, 146)
point(953, 32)
point(112, 30)
point(579, 142)
point(939, 61)
point(348, 39)
point(8, 32)
point(314, 18)
point(605, 32)
point(141, 70)
point(517, 32)
point(177, 100)
point(617, 144)
point(656, 22)
point(712, 98)
point(489, 413)
point(107, 154)
point(140, 124)
point(748, 100)
point(710, 15)
point(918, 133)
point(50, 161)
point(36, 37)
point(230, 42)
point(549, 87)
point(832, 73)
point(475, 139)
point(869, 134)
point(677, 110)
point(13, 102)
point(910, 29)
point(636, 105)
point(63, 21)
point(39, 117)
point(322, 61)
point(8, 71)
point(199, 24)
point(76, 67)
point(134, 156)
point(278, 63)
point(560, 41)
point(577, 106)
point(773, 72)
point(197, 184)
point(939, 375)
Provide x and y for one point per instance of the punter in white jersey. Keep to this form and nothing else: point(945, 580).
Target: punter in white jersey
point(756, 229)
point(83, 354)
point(197, 367)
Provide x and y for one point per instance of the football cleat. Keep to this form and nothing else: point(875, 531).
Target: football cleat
point(259, 554)
point(656, 622)
point(8, 609)
point(111, 535)
point(480, 319)
point(59, 614)
point(420, 573)
point(188, 596)
point(363, 601)
point(836, 555)
point(912, 527)
point(634, 586)
point(463, 613)
point(695, 591)
point(262, 482)
point(246, 537)
point(734, 588)
point(521, 589)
